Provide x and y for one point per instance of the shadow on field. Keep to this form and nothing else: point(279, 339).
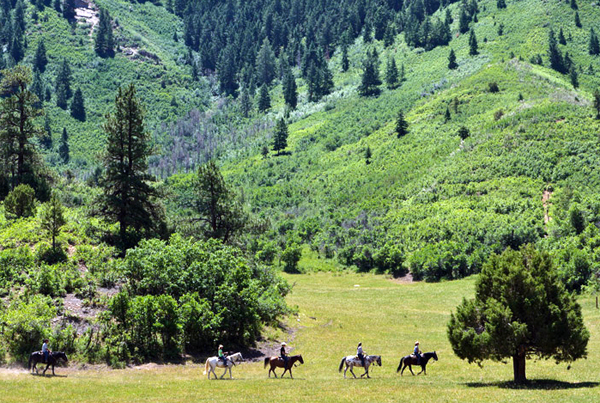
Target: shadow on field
point(536, 384)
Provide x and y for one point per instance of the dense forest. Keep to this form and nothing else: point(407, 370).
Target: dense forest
point(162, 162)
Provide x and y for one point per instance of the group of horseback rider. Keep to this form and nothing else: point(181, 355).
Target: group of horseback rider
point(361, 355)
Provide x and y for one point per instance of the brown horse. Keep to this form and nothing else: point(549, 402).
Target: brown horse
point(277, 362)
point(411, 360)
point(53, 357)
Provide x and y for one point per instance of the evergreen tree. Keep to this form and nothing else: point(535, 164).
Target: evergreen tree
point(463, 21)
point(520, 309)
point(68, 9)
point(245, 103)
point(501, 29)
point(368, 155)
point(226, 73)
point(370, 81)
point(452, 60)
point(37, 87)
point(78, 106)
point(401, 125)
point(473, 44)
point(597, 103)
point(40, 60)
point(215, 205)
point(367, 30)
point(388, 38)
point(402, 74)
point(53, 218)
point(556, 58)
point(447, 115)
point(127, 196)
point(561, 37)
point(63, 148)
point(574, 76)
point(61, 97)
point(17, 47)
point(57, 5)
point(63, 79)
point(19, 160)
point(345, 61)
point(104, 40)
point(574, 4)
point(46, 138)
point(391, 74)
point(577, 20)
point(594, 45)
point(290, 90)
point(264, 100)
point(463, 133)
point(265, 64)
point(501, 4)
point(280, 136)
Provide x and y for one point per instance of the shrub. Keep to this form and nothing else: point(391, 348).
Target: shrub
point(290, 257)
point(44, 253)
point(493, 87)
point(498, 114)
point(20, 202)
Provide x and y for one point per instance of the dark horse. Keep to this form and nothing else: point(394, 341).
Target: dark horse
point(53, 357)
point(411, 360)
point(277, 362)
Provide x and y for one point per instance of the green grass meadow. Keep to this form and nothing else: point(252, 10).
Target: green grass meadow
point(336, 311)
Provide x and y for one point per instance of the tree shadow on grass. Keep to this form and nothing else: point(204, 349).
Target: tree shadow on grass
point(535, 384)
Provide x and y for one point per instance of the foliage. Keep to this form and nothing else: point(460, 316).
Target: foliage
point(20, 202)
point(52, 218)
point(280, 136)
point(520, 309)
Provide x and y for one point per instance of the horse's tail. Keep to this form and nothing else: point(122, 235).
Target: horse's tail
point(267, 360)
point(342, 364)
point(205, 367)
point(400, 365)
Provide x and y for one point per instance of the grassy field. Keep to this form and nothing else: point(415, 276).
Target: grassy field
point(335, 312)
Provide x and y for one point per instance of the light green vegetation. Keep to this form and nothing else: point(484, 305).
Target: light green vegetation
point(336, 311)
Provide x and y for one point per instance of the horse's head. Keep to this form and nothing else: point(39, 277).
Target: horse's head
point(434, 356)
point(60, 354)
point(300, 359)
point(236, 357)
point(379, 360)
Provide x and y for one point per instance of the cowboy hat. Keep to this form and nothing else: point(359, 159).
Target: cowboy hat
point(416, 342)
point(283, 344)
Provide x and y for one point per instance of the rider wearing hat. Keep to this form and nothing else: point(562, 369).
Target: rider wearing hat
point(283, 355)
point(221, 355)
point(46, 351)
point(417, 353)
point(360, 354)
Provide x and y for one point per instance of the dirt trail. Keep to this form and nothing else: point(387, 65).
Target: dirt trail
point(546, 202)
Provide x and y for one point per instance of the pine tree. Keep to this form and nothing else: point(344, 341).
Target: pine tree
point(556, 58)
point(501, 4)
point(40, 60)
point(104, 43)
point(78, 106)
point(561, 37)
point(577, 20)
point(280, 136)
point(61, 97)
point(452, 60)
point(345, 61)
point(245, 103)
point(37, 87)
point(368, 155)
point(463, 133)
point(520, 310)
point(127, 196)
point(370, 81)
point(18, 113)
point(574, 76)
point(367, 30)
point(57, 5)
point(473, 44)
point(447, 115)
point(17, 47)
point(574, 4)
point(290, 90)
point(264, 100)
point(401, 125)
point(501, 29)
point(388, 38)
point(402, 74)
point(265, 64)
point(391, 74)
point(597, 103)
point(463, 21)
point(63, 148)
point(594, 45)
point(46, 138)
point(63, 79)
point(226, 72)
point(68, 9)
point(52, 218)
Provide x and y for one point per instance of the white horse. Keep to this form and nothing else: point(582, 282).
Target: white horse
point(213, 362)
point(353, 361)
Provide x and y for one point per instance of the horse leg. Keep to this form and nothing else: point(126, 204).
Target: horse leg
point(422, 370)
point(410, 368)
point(291, 377)
point(46, 369)
point(224, 373)
point(284, 371)
point(230, 376)
point(352, 372)
point(53, 374)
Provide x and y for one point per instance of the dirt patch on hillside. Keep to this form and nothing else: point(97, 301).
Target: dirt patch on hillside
point(545, 201)
point(87, 13)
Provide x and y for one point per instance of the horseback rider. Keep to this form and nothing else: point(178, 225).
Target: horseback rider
point(283, 355)
point(46, 351)
point(417, 353)
point(360, 354)
point(222, 356)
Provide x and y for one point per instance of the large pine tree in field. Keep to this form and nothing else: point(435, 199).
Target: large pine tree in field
point(128, 198)
point(520, 310)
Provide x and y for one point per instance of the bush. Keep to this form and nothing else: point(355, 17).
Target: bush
point(443, 260)
point(20, 202)
point(290, 257)
point(27, 323)
point(493, 87)
point(44, 253)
